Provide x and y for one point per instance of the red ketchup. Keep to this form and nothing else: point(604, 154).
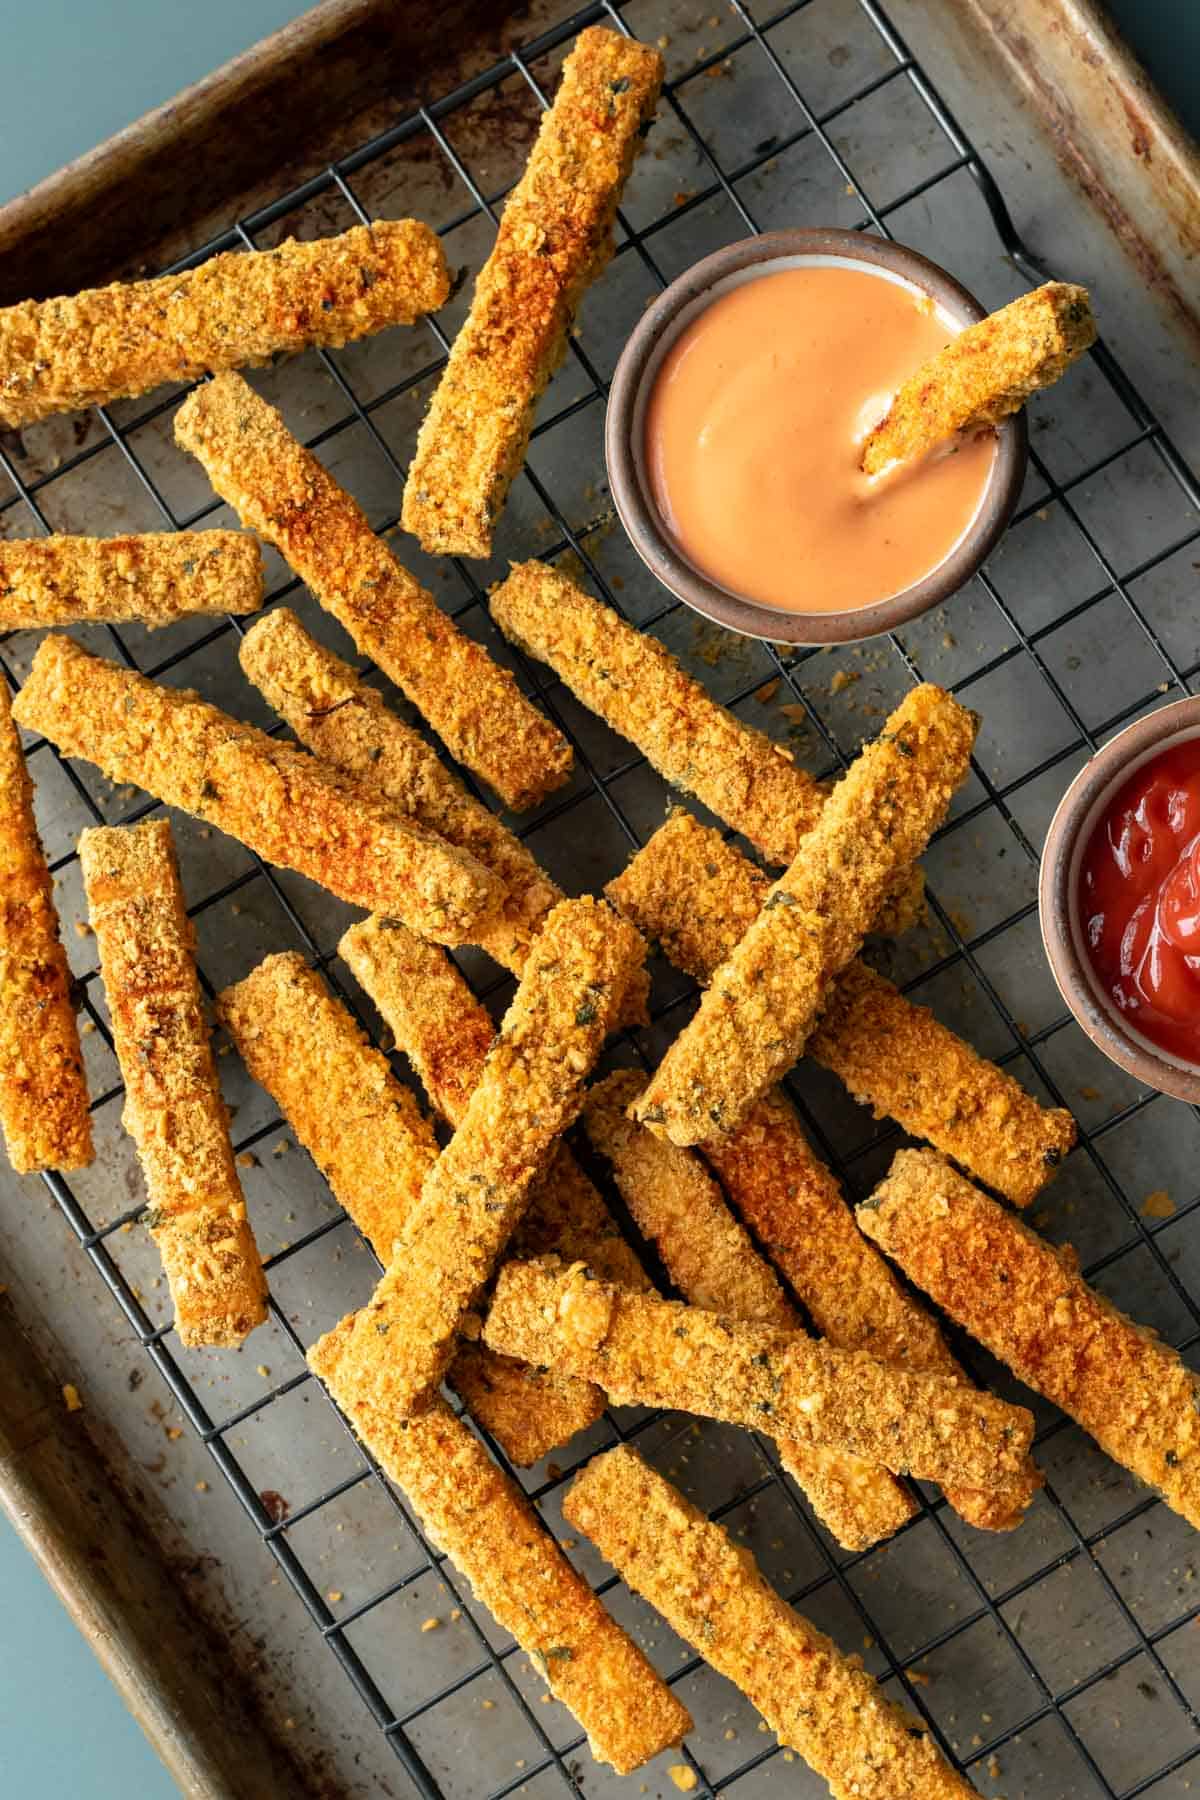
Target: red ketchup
point(1139, 899)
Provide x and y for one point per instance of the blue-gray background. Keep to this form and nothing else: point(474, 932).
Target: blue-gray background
point(74, 72)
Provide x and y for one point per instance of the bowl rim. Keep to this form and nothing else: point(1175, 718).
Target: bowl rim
point(1090, 790)
point(640, 517)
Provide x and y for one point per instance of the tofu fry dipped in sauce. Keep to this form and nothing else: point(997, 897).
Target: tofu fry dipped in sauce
point(275, 799)
point(986, 372)
point(764, 1002)
point(152, 577)
point(677, 1205)
point(375, 1148)
point(819, 1701)
point(1027, 1302)
point(555, 236)
point(43, 1091)
point(234, 310)
point(173, 1106)
point(478, 1515)
point(283, 492)
point(650, 1352)
point(479, 1189)
point(347, 723)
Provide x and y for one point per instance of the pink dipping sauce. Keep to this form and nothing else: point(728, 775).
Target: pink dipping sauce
point(754, 430)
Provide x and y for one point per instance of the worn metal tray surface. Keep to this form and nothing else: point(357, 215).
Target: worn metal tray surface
point(1061, 1660)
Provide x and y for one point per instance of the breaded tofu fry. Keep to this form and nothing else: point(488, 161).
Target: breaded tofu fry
point(478, 1190)
point(234, 310)
point(639, 689)
point(446, 1034)
point(480, 1518)
point(985, 373)
point(712, 1263)
point(554, 238)
point(764, 1002)
point(696, 895)
point(896, 1058)
point(277, 800)
point(374, 1146)
point(43, 1092)
point(345, 722)
point(154, 577)
point(280, 490)
point(795, 1207)
point(362, 1127)
point(650, 1352)
point(173, 1106)
point(711, 1592)
point(1026, 1302)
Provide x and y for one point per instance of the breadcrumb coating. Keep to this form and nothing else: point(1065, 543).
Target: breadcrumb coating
point(445, 1032)
point(896, 1058)
point(280, 489)
point(173, 1106)
point(480, 1518)
point(554, 238)
point(796, 1209)
point(43, 1092)
point(710, 1590)
point(345, 722)
point(650, 1352)
point(639, 689)
point(234, 310)
point(763, 1003)
point(375, 1147)
point(279, 801)
point(985, 373)
point(1026, 1302)
point(479, 1189)
point(677, 1205)
point(697, 896)
point(154, 577)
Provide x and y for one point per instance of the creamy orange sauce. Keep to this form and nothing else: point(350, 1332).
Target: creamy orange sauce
point(753, 433)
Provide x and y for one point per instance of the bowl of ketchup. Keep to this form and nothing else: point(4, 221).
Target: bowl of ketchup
point(734, 433)
point(1120, 899)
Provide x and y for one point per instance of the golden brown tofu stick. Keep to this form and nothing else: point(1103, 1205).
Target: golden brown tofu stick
point(374, 1146)
point(279, 488)
point(697, 896)
point(478, 1190)
point(481, 1519)
point(106, 343)
point(640, 690)
point(903, 1064)
point(173, 1106)
point(1026, 1301)
point(650, 1352)
point(555, 236)
point(444, 1031)
point(795, 1207)
point(821, 1703)
point(762, 1006)
point(695, 893)
point(43, 1092)
point(711, 1261)
point(345, 722)
point(277, 800)
point(154, 577)
point(985, 373)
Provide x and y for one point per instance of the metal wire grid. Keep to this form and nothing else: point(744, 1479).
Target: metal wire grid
point(1077, 1540)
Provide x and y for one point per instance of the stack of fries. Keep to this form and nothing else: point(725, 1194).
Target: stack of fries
point(505, 1276)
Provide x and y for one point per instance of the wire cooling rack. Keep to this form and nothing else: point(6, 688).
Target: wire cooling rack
point(1060, 1660)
